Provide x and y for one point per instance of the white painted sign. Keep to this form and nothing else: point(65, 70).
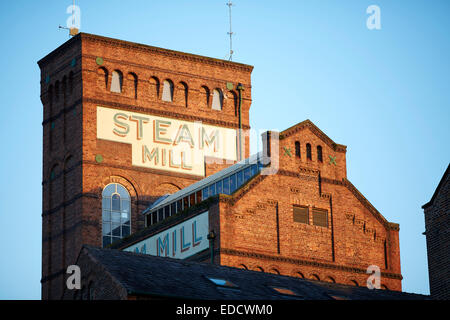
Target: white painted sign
point(164, 143)
point(179, 242)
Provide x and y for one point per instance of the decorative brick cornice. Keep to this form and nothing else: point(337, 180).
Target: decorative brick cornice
point(305, 174)
point(319, 133)
point(160, 70)
point(305, 262)
point(164, 113)
point(166, 52)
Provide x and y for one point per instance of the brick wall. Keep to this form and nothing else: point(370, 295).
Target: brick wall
point(437, 231)
point(258, 232)
point(73, 84)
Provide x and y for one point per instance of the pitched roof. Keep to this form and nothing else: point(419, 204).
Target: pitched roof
point(436, 192)
point(315, 129)
point(148, 275)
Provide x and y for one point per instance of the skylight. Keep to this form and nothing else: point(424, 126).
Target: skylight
point(284, 291)
point(222, 283)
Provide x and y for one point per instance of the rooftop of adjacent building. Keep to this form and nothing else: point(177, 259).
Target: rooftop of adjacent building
point(151, 276)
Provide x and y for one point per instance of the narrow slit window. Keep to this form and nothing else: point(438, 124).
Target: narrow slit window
point(297, 149)
point(319, 154)
point(308, 151)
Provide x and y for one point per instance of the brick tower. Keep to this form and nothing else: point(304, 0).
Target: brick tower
point(122, 125)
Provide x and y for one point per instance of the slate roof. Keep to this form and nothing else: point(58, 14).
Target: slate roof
point(146, 275)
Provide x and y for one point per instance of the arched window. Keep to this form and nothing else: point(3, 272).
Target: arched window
point(308, 151)
point(116, 81)
point(354, 283)
point(154, 87)
point(167, 94)
point(116, 213)
point(234, 102)
point(299, 275)
point(217, 101)
point(71, 82)
point(274, 271)
point(56, 90)
point(102, 78)
point(183, 88)
point(319, 154)
point(314, 277)
point(204, 91)
point(64, 90)
point(297, 149)
point(133, 83)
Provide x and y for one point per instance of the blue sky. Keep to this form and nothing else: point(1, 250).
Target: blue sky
point(383, 93)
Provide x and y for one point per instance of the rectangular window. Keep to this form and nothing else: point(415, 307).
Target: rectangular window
point(199, 196)
point(320, 217)
point(160, 215)
point(219, 187)
point(254, 169)
point(301, 214)
point(166, 212)
point(185, 203)
point(240, 178)
point(179, 205)
point(226, 185)
point(173, 208)
point(192, 199)
point(154, 217)
point(205, 193)
point(212, 190)
point(233, 183)
point(247, 173)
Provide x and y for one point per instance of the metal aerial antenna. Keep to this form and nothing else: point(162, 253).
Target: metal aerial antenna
point(72, 30)
point(230, 4)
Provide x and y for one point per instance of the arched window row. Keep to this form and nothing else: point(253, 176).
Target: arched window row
point(166, 90)
point(60, 90)
point(308, 147)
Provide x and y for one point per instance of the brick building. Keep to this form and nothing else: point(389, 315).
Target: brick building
point(297, 216)
point(91, 76)
point(140, 140)
point(119, 275)
point(437, 232)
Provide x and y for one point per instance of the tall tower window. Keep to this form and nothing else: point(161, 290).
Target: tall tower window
point(297, 149)
point(217, 101)
point(319, 154)
point(308, 151)
point(116, 213)
point(116, 81)
point(167, 94)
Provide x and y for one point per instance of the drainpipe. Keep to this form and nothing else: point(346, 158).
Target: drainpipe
point(240, 88)
point(211, 236)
